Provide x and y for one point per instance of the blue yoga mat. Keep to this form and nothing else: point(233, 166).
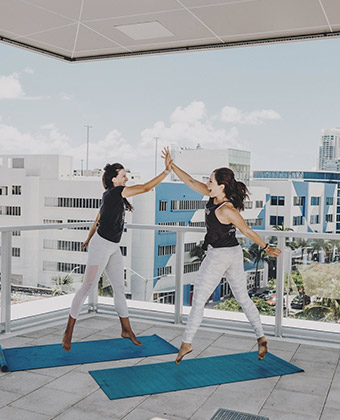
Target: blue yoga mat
point(36, 357)
point(193, 373)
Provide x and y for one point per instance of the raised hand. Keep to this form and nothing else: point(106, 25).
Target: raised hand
point(167, 158)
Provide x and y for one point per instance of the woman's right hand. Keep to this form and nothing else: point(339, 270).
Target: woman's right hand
point(85, 244)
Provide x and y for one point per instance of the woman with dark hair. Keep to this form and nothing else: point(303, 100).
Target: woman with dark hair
point(104, 250)
point(224, 256)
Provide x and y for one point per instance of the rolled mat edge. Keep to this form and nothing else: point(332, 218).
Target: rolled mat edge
point(3, 361)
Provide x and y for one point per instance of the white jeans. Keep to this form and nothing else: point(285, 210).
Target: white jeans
point(221, 262)
point(102, 255)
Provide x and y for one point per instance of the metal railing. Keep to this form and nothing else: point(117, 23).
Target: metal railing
point(279, 329)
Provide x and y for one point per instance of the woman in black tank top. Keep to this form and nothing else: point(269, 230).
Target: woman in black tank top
point(224, 256)
point(104, 250)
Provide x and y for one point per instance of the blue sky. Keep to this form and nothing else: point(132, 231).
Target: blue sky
point(271, 100)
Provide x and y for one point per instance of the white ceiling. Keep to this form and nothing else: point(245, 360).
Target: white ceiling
point(76, 30)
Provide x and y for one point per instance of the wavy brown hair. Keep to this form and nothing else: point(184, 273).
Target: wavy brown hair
point(235, 191)
point(110, 171)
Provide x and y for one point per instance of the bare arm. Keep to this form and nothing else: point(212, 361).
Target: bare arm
point(92, 231)
point(230, 215)
point(190, 181)
point(143, 188)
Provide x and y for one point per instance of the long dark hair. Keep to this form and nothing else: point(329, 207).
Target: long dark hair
point(110, 171)
point(235, 191)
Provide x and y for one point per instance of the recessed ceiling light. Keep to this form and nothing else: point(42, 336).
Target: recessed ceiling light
point(147, 30)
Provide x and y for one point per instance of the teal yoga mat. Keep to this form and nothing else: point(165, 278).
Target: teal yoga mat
point(51, 355)
point(193, 373)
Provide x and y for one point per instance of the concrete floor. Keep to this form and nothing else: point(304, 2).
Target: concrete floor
point(70, 393)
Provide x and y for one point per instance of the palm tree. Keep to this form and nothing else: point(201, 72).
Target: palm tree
point(62, 285)
point(303, 244)
point(198, 253)
point(247, 256)
point(334, 245)
point(319, 245)
point(257, 256)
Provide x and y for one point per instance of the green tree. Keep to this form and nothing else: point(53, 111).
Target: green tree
point(257, 255)
point(319, 245)
point(232, 305)
point(62, 285)
point(198, 253)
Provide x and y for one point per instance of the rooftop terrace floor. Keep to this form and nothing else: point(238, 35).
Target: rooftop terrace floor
point(70, 393)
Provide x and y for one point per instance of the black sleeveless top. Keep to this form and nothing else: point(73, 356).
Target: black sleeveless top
point(218, 235)
point(112, 212)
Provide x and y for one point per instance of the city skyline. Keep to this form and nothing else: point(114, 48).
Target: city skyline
point(272, 100)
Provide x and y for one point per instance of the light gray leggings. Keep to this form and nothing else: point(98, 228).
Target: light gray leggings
point(102, 255)
point(217, 263)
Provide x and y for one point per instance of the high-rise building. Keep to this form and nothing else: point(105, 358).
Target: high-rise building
point(329, 151)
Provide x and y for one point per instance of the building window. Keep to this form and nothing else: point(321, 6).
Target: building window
point(297, 220)
point(248, 204)
point(277, 200)
point(259, 204)
point(170, 224)
point(18, 163)
point(3, 190)
point(299, 201)
point(254, 222)
point(188, 204)
point(329, 201)
point(329, 217)
point(79, 221)
point(162, 271)
point(166, 249)
point(15, 252)
point(83, 203)
point(197, 224)
point(10, 210)
point(189, 246)
point(276, 220)
point(315, 201)
point(63, 245)
point(314, 219)
point(191, 267)
point(163, 205)
point(123, 250)
point(164, 297)
point(45, 221)
point(16, 233)
point(16, 189)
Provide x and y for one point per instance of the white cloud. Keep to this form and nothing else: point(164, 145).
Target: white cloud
point(10, 87)
point(45, 142)
point(233, 115)
point(65, 96)
point(28, 70)
point(186, 127)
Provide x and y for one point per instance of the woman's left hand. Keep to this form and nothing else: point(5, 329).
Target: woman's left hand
point(273, 252)
point(167, 158)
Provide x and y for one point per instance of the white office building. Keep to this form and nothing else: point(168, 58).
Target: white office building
point(40, 189)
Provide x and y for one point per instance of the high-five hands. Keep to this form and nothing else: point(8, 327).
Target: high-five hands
point(167, 158)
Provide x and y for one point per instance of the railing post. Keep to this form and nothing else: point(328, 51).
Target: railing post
point(93, 299)
point(279, 288)
point(6, 270)
point(179, 277)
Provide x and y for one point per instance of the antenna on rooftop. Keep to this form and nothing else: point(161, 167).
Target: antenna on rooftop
point(87, 146)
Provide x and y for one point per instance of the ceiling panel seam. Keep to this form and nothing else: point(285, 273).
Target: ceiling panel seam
point(200, 21)
point(325, 14)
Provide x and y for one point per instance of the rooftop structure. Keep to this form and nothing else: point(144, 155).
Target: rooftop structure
point(82, 30)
